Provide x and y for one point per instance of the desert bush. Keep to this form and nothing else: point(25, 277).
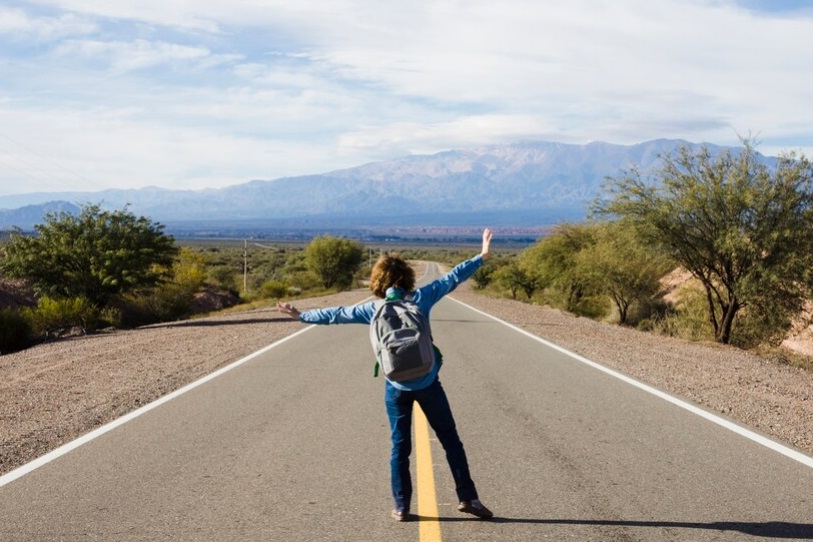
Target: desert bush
point(274, 289)
point(111, 316)
point(304, 280)
point(687, 319)
point(743, 228)
point(334, 260)
point(760, 326)
point(223, 276)
point(647, 311)
point(294, 291)
point(486, 274)
point(55, 315)
point(189, 269)
point(15, 331)
point(619, 265)
point(166, 303)
point(95, 255)
point(589, 305)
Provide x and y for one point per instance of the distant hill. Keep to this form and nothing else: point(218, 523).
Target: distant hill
point(523, 183)
point(25, 217)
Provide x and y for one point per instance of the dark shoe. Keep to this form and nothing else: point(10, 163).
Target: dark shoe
point(476, 508)
point(400, 515)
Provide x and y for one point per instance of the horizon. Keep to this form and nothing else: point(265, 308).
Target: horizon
point(217, 93)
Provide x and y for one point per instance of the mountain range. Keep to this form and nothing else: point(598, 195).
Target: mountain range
point(523, 183)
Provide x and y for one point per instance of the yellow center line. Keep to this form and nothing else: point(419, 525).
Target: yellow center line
point(429, 527)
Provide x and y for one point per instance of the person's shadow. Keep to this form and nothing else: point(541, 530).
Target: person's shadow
point(768, 529)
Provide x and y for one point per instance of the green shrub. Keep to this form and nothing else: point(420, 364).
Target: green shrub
point(135, 310)
point(166, 303)
point(688, 319)
point(111, 317)
point(294, 291)
point(760, 326)
point(55, 315)
point(304, 280)
point(596, 307)
point(482, 276)
point(274, 289)
point(15, 331)
point(225, 277)
point(642, 313)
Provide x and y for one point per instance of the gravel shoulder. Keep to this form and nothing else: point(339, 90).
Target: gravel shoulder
point(55, 392)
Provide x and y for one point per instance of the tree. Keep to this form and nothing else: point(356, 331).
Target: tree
point(744, 230)
point(551, 262)
point(503, 278)
point(95, 254)
point(334, 260)
point(482, 277)
point(514, 276)
point(619, 265)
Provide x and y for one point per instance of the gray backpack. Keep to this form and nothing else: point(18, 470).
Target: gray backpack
point(402, 340)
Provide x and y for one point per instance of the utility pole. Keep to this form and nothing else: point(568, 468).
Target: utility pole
point(245, 266)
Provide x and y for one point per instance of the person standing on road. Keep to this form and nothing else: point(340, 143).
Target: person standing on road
point(392, 277)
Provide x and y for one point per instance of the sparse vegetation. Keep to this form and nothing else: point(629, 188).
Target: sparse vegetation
point(182, 282)
point(608, 270)
point(15, 330)
point(743, 230)
point(60, 315)
point(96, 255)
point(335, 261)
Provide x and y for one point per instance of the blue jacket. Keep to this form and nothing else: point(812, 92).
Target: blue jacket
point(425, 297)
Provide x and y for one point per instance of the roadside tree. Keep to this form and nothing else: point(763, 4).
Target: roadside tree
point(551, 263)
point(742, 228)
point(334, 260)
point(619, 265)
point(93, 255)
point(513, 278)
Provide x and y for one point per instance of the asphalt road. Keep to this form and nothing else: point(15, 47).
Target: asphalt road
point(293, 445)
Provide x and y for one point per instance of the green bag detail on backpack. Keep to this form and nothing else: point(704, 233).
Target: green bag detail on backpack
point(402, 340)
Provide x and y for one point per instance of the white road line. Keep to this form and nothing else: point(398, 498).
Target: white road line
point(747, 433)
point(65, 448)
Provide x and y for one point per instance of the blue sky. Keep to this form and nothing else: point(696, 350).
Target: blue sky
point(191, 94)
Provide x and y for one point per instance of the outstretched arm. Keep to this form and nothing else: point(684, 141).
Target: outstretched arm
point(290, 310)
point(355, 314)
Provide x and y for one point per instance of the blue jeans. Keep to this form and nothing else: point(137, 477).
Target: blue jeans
point(435, 405)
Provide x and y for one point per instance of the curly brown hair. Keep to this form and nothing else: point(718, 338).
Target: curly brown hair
point(391, 271)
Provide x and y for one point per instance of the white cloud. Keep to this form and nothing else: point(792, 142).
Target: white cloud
point(17, 23)
point(331, 83)
point(399, 139)
point(140, 54)
point(103, 148)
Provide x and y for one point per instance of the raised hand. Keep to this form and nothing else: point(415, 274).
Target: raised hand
point(486, 243)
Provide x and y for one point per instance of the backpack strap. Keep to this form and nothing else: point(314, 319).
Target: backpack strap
point(390, 297)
